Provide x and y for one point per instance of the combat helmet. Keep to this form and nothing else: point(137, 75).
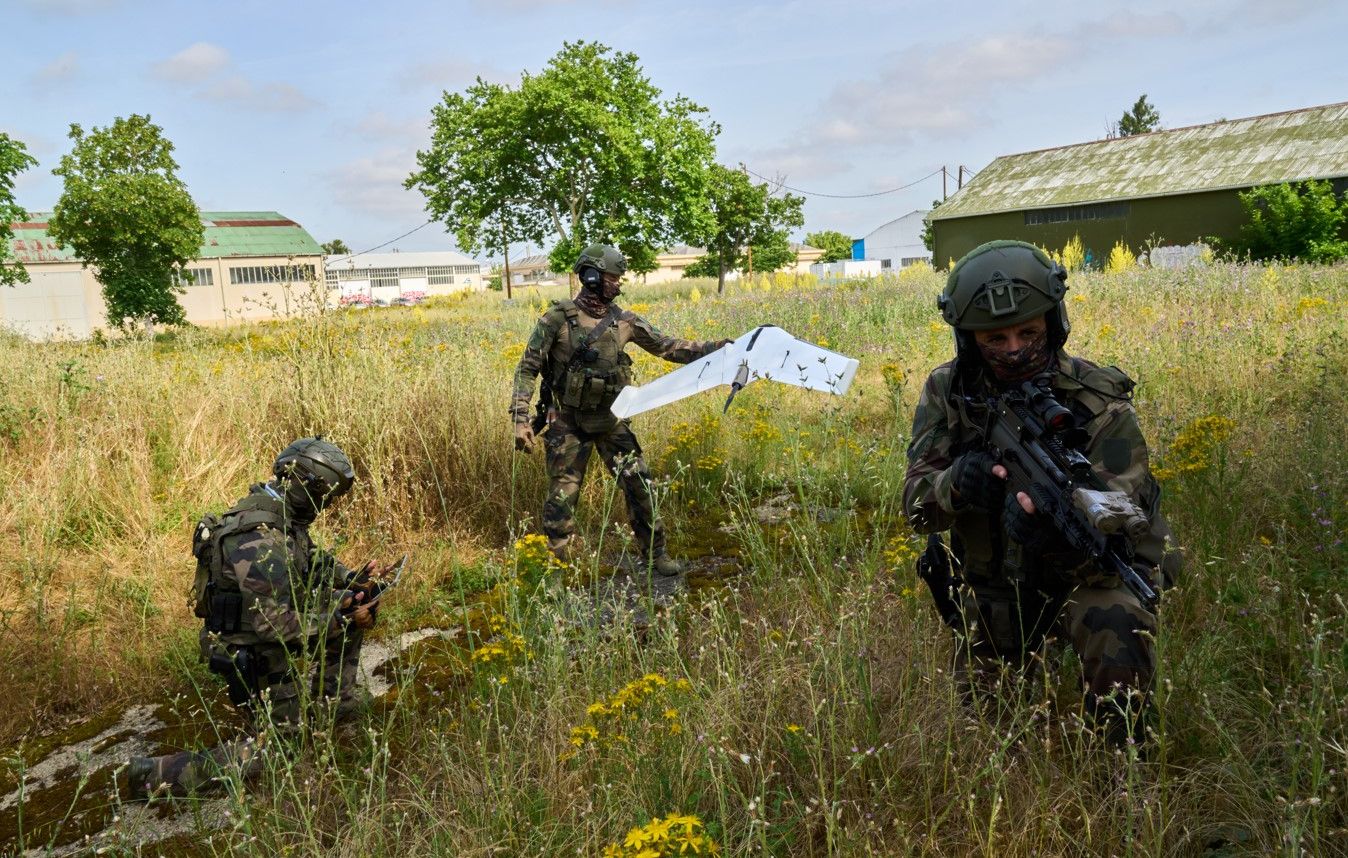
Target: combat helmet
point(315, 472)
point(600, 259)
point(1004, 283)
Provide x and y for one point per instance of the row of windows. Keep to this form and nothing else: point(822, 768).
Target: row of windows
point(252, 274)
point(436, 275)
point(198, 277)
point(1098, 211)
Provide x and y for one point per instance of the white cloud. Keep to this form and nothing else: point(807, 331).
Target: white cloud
point(941, 91)
point(374, 186)
point(194, 64)
point(269, 97)
point(406, 132)
point(454, 74)
point(63, 69)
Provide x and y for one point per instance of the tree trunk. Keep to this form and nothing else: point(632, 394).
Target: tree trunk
point(720, 279)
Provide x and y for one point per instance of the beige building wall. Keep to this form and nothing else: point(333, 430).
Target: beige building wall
point(65, 299)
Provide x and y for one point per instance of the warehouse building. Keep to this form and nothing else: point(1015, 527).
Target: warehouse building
point(388, 278)
point(1168, 187)
point(670, 264)
point(894, 245)
point(252, 265)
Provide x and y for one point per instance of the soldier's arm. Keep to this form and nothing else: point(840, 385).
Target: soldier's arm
point(1119, 457)
point(261, 564)
point(673, 349)
point(927, 485)
point(532, 361)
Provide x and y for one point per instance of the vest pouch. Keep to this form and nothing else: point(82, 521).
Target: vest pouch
point(226, 611)
point(573, 388)
point(201, 605)
point(596, 391)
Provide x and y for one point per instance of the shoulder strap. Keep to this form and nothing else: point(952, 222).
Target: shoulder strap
point(610, 318)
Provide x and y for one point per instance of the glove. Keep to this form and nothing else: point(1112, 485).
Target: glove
point(351, 611)
point(524, 437)
point(977, 487)
point(1032, 531)
point(723, 343)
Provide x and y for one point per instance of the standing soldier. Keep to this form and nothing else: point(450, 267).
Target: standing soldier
point(272, 604)
point(578, 348)
point(1017, 581)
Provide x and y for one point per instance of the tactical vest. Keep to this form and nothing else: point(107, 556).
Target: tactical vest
point(216, 595)
point(587, 375)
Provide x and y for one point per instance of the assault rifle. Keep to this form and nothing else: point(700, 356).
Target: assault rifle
point(1039, 442)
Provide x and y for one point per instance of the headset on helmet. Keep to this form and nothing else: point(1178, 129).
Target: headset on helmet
point(1004, 283)
point(597, 260)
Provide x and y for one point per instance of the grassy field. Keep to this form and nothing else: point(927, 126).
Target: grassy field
point(800, 706)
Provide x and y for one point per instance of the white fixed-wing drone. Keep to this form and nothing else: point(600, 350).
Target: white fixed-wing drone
point(766, 352)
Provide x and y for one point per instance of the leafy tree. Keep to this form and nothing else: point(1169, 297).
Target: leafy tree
point(928, 232)
point(14, 159)
point(1141, 119)
point(745, 215)
point(336, 247)
point(1293, 220)
point(583, 152)
point(125, 211)
point(835, 245)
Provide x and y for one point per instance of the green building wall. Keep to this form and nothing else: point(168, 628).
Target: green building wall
point(1177, 220)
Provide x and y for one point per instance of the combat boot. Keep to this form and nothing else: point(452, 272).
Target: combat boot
point(139, 773)
point(665, 565)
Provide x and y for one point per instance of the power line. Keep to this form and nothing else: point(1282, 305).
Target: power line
point(385, 244)
point(937, 171)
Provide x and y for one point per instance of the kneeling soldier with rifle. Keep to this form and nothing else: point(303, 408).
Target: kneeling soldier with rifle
point(273, 604)
point(1034, 461)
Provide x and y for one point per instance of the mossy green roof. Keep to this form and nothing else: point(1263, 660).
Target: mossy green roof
point(228, 234)
point(1239, 153)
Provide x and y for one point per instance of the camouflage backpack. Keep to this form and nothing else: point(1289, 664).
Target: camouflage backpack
point(215, 598)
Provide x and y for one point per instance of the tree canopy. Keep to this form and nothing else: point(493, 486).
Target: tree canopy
point(14, 159)
point(583, 152)
point(1141, 119)
point(836, 245)
point(749, 221)
point(928, 231)
point(336, 247)
point(125, 211)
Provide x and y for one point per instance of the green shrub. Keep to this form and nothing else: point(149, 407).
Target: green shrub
point(1293, 220)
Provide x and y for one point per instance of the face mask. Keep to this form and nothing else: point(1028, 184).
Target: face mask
point(1020, 364)
point(610, 291)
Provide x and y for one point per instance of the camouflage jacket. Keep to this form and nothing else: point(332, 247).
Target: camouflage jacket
point(1100, 396)
point(290, 588)
point(589, 388)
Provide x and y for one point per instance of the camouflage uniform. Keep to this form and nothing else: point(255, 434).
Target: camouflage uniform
point(1013, 598)
point(287, 595)
point(582, 420)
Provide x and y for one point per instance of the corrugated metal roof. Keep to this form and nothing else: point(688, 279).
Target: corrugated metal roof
point(1280, 147)
point(410, 259)
point(227, 234)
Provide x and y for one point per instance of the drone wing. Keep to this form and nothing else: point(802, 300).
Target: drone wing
point(766, 352)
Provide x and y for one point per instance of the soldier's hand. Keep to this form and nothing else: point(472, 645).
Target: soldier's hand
point(977, 483)
point(524, 437)
point(723, 343)
point(363, 617)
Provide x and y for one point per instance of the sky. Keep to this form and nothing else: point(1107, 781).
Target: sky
point(316, 110)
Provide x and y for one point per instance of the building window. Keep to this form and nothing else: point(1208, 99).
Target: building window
point(1097, 211)
point(383, 277)
point(331, 277)
point(466, 269)
point(408, 273)
point(911, 260)
point(254, 274)
point(440, 275)
point(199, 277)
point(886, 264)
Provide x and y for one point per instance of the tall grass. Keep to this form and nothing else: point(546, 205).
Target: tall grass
point(814, 710)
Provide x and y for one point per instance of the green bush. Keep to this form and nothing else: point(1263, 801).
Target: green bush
point(1293, 220)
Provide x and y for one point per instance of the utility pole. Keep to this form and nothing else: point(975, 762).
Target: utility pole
point(945, 174)
point(506, 254)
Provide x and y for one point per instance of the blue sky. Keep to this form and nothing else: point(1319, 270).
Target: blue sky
point(316, 109)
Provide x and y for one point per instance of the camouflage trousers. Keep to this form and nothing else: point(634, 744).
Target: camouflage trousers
point(279, 704)
point(568, 450)
point(1109, 629)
